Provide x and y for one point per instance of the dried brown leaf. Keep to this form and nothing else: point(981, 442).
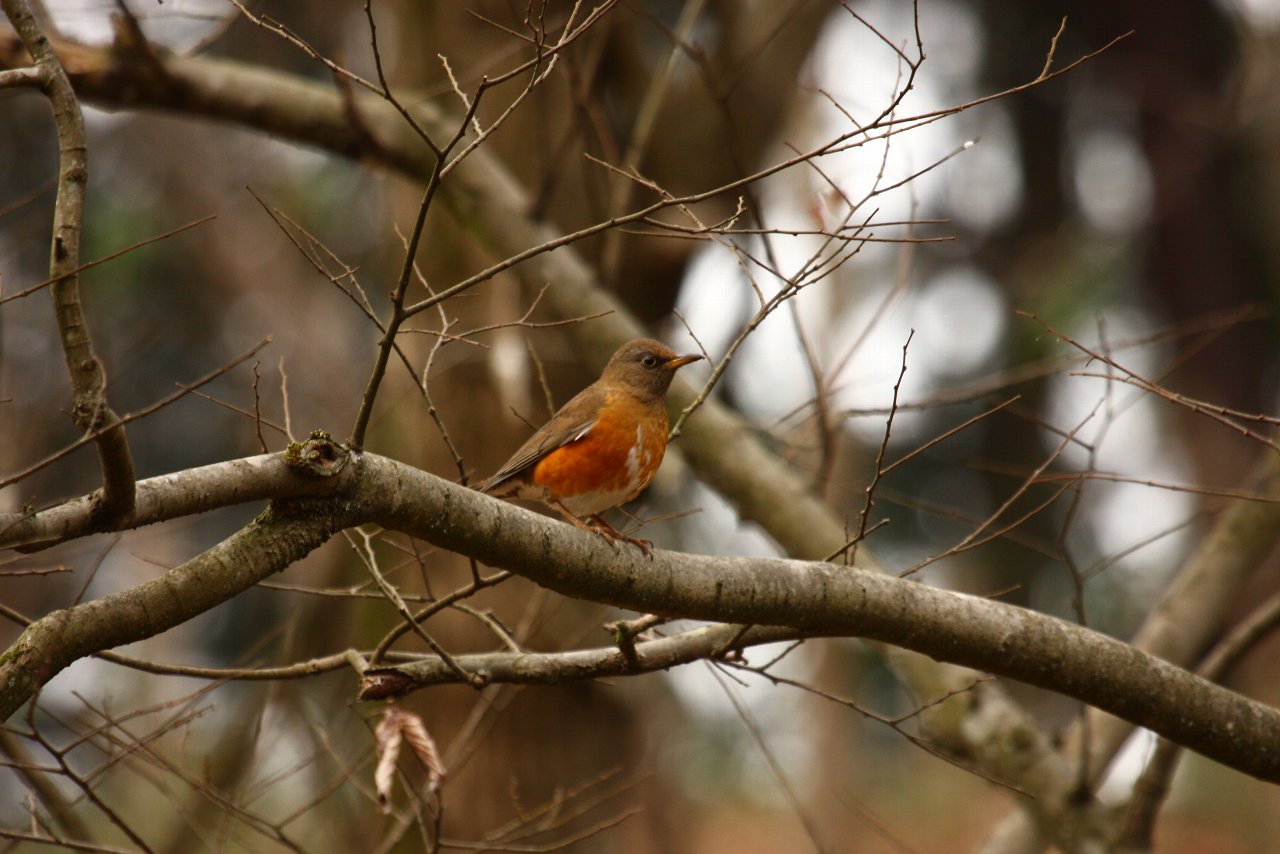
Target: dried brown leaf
point(387, 742)
point(398, 725)
point(415, 732)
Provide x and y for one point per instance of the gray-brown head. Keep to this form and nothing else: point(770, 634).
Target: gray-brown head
point(644, 367)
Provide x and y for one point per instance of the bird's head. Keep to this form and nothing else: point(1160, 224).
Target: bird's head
point(645, 367)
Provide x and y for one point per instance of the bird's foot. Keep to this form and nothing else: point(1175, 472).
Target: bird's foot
point(612, 535)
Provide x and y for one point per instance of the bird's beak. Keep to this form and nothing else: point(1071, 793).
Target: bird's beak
point(681, 361)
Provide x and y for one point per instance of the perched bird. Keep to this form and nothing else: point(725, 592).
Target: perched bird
point(603, 447)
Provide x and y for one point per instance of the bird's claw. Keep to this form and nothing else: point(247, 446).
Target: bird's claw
point(613, 537)
point(645, 546)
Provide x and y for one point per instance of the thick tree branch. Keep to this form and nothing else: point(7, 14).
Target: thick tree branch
point(173, 496)
point(1152, 788)
point(812, 597)
point(287, 533)
point(48, 645)
point(1189, 616)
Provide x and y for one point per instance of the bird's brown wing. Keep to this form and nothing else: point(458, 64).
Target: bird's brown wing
point(539, 445)
point(573, 421)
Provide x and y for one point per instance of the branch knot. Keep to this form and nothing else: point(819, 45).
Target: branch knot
point(319, 455)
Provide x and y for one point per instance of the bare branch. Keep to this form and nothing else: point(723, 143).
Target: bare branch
point(817, 597)
point(93, 415)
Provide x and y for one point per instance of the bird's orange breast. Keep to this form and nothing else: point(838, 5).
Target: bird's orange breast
point(610, 465)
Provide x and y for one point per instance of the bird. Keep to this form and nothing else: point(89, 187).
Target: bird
point(603, 447)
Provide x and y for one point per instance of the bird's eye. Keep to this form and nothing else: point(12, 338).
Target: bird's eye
point(649, 360)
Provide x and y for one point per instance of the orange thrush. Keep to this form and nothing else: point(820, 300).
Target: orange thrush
point(603, 447)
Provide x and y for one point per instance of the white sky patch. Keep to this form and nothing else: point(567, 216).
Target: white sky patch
point(873, 371)
point(81, 20)
point(713, 300)
point(718, 529)
point(1130, 439)
point(1124, 515)
point(175, 24)
point(509, 361)
point(862, 73)
point(86, 677)
point(960, 320)
point(953, 39)
point(1112, 181)
point(984, 187)
point(1261, 15)
point(1117, 786)
point(97, 121)
point(771, 373)
point(1129, 418)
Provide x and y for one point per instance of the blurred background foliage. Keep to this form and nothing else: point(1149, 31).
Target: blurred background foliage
point(1130, 205)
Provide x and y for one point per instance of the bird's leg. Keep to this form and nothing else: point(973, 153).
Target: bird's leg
point(578, 523)
point(611, 533)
